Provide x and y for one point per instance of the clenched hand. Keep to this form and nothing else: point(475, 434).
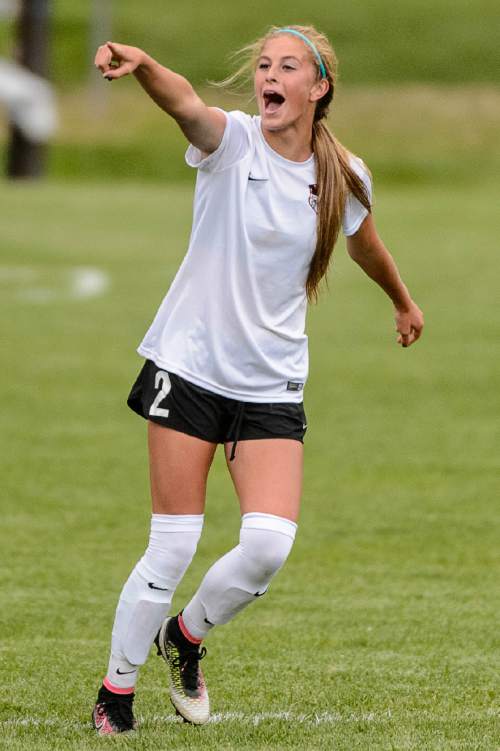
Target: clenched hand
point(409, 324)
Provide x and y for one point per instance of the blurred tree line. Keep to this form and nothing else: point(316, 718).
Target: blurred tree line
point(377, 41)
point(418, 98)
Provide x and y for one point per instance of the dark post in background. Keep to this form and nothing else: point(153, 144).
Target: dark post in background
point(26, 158)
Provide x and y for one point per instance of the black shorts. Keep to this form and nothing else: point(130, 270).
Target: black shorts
point(167, 399)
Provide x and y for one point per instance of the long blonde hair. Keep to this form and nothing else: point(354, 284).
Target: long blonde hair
point(334, 176)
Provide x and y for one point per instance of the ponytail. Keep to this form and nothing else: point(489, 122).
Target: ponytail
point(335, 178)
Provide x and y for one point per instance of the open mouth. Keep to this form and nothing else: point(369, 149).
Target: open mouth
point(272, 101)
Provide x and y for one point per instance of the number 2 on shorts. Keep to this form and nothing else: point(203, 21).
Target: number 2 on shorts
point(162, 378)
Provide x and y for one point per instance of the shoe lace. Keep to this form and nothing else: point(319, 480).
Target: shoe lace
point(187, 661)
point(120, 712)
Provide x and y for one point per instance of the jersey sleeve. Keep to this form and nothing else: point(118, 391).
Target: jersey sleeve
point(355, 212)
point(234, 146)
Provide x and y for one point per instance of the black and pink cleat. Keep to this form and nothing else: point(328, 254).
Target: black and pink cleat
point(113, 713)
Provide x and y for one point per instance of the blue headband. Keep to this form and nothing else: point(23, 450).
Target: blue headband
point(302, 36)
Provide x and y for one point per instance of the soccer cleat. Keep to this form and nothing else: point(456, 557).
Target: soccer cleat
point(113, 713)
point(188, 692)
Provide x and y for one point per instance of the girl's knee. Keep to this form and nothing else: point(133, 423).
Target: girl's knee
point(266, 541)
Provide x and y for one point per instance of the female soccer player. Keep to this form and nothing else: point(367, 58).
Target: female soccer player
point(226, 355)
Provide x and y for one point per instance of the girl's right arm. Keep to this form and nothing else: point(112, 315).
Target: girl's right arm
point(203, 126)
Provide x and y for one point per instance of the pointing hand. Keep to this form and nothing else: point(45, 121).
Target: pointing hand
point(117, 60)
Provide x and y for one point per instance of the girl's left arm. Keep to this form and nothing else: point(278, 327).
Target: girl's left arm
point(367, 249)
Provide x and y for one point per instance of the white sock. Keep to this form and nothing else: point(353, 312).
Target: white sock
point(146, 597)
point(242, 575)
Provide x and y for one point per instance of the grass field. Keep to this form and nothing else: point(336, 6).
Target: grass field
point(382, 630)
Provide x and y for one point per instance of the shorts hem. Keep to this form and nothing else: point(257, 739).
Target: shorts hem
point(182, 429)
point(222, 441)
point(267, 438)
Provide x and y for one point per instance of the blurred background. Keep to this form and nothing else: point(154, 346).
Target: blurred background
point(418, 93)
point(389, 602)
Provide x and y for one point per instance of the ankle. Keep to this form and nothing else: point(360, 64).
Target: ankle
point(179, 634)
point(110, 689)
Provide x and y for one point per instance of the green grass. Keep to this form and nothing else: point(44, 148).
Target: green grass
point(381, 632)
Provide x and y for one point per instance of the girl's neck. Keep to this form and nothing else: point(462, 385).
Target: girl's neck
point(290, 143)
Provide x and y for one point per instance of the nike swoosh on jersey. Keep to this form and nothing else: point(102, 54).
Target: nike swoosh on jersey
point(152, 585)
point(258, 179)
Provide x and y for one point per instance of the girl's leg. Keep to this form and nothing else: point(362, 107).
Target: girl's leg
point(179, 466)
point(267, 475)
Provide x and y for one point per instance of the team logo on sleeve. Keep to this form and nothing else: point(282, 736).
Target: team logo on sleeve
point(313, 197)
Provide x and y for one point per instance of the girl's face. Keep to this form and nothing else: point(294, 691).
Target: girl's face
point(286, 83)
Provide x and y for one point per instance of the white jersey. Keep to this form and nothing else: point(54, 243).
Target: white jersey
point(233, 320)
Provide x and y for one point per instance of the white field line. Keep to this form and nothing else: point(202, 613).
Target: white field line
point(312, 719)
point(19, 274)
point(77, 283)
point(220, 718)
